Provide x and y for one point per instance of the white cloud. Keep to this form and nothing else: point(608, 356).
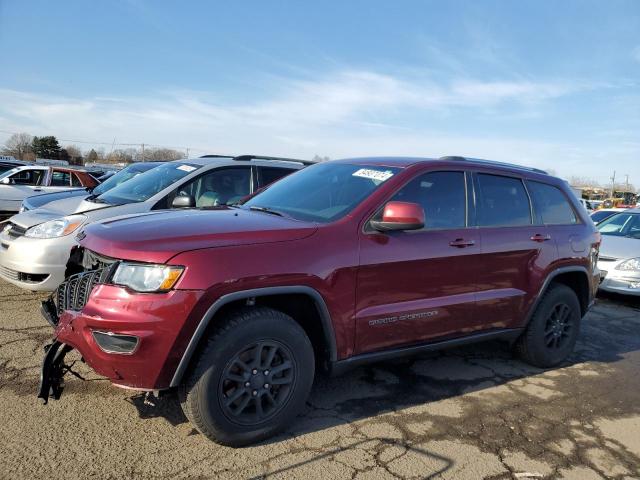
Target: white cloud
point(347, 114)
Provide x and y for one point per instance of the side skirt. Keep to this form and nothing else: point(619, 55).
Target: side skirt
point(341, 366)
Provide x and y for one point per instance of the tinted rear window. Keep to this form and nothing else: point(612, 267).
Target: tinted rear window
point(503, 202)
point(551, 204)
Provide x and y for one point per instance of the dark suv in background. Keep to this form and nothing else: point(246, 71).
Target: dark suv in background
point(338, 264)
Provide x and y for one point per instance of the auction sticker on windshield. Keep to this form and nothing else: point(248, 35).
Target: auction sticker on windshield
point(380, 175)
point(186, 168)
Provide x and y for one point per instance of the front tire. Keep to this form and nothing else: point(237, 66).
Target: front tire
point(251, 379)
point(553, 330)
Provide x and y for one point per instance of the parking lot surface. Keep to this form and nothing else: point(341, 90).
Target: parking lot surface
point(468, 413)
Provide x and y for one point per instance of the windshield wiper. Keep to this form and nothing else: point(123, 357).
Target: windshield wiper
point(257, 208)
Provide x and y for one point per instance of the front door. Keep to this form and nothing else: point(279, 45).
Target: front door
point(414, 286)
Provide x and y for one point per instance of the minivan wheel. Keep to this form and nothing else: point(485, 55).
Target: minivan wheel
point(553, 330)
point(251, 379)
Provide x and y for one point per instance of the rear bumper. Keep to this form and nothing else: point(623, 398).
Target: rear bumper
point(154, 319)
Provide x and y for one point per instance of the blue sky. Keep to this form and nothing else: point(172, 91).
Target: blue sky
point(544, 83)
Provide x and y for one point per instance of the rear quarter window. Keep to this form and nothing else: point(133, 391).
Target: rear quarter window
point(551, 204)
point(502, 201)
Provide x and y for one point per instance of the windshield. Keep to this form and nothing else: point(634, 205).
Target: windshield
point(621, 225)
point(322, 193)
point(601, 215)
point(122, 176)
point(146, 185)
point(8, 173)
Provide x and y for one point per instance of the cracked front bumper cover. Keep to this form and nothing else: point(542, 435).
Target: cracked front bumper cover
point(52, 371)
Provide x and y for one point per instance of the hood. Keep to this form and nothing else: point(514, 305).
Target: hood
point(53, 210)
point(157, 236)
point(38, 201)
point(619, 247)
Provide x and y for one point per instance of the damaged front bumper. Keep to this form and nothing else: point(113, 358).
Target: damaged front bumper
point(53, 370)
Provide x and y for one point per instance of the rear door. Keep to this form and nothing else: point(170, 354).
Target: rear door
point(516, 250)
point(414, 286)
point(59, 180)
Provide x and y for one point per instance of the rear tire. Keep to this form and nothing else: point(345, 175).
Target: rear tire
point(553, 330)
point(251, 379)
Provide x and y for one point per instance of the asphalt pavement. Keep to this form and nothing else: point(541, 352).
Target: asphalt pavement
point(468, 413)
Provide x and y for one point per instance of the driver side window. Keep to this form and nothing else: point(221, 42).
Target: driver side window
point(219, 187)
point(28, 177)
point(442, 195)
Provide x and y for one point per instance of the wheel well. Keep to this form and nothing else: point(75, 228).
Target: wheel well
point(301, 307)
point(579, 283)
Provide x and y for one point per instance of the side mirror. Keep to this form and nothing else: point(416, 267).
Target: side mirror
point(400, 216)
point(6, 181)
point(183, 201)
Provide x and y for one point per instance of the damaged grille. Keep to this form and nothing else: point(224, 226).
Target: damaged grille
point(93, 269)
point(74, 293)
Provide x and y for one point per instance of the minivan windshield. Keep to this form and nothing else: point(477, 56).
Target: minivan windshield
point(10, 172)
point(147, 184)
point(625, 224)
point(122, 176)
point(321, 193)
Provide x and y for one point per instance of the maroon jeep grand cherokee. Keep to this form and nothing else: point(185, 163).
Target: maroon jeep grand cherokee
point(341, 263)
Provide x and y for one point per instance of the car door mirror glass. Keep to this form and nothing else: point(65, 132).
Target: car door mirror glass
point(398, 216)
point(183, 201)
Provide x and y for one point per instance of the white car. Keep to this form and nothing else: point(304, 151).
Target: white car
point(28, 180)
point(619, 259)
point(36, 244)
point(601, 215)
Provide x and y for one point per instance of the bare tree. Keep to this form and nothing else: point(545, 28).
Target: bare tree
point(75, 155)
point(576, 181)
point(19, 146)
point(167, 154)
point(121, 156)
point(318, 158)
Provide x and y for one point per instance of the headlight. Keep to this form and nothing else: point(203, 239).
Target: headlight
point(56, 228)
point(146, 278)
point(631, 265)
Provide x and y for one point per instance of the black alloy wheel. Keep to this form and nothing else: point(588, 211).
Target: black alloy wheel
point(257, 382)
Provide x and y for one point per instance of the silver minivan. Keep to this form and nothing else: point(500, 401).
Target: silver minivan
point(35, 245)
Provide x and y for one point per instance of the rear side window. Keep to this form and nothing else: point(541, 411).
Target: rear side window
point(551, 204)
point(442, 195)
point(270, 174)
point(503, 202)
point(60, 179)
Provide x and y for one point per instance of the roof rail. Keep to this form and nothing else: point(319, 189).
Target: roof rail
point(491, 162)
point(216, 156)
point(246, 158)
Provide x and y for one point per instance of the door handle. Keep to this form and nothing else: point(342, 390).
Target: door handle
point(461, 243)
point(538, 237)
point(37, 189)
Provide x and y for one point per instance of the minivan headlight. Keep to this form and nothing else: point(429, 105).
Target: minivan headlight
point(56, 228)
point(631, 265)
point(146, 278)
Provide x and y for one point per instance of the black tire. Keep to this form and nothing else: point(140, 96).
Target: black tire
point(233, 369)
point(553, 329)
